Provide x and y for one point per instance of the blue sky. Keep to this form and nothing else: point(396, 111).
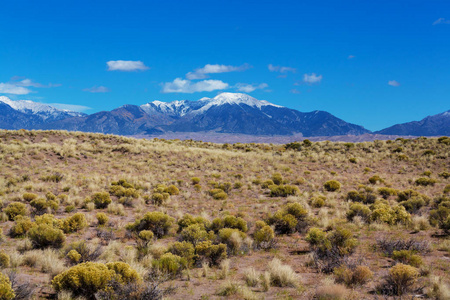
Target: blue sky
point(373, 63)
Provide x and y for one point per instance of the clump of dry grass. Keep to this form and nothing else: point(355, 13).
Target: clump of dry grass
point(282, 275)
point(251, 277)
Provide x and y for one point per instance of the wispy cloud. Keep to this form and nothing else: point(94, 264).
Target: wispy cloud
point(312, 78)
point(394, 83)
point(97, 89)
point(202, 73)
point(441, 21)
point(295, 91)
point(8, 88)
point(72, 107)
point(126, 65)
point(180, 85)
point(281, 69)
point(350, 57)
point(248, 88)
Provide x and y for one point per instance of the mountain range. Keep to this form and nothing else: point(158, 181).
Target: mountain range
point(227, 113)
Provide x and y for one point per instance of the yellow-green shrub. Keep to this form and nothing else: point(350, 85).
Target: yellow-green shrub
point(332, 185)
point(407, 257)
point(359, 209)
point(383, 212)
point(283, 190)
point(185, 250)
point(212, 254)
point(401, 277)
point(43, 236)
point(358, 276)
point(74, 223)
point(29, 196)
point(21, 226)
point(196, 233)
point(146, 235)
point(102, 218)
point(4, 260)
point(170, 264)
point(264, 237)
point(101, 199)
point(73, 256)
point(6, 291)
point(15, 209)
point(159, 223)
point(124, 273)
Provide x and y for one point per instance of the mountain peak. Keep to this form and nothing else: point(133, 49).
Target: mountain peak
point(44, 111)
point(239, 98)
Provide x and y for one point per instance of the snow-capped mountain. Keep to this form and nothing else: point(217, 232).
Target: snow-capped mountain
point(44, 111)
point(430, 126)
point(181, 108)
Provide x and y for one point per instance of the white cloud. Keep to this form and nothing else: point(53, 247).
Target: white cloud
point(441, 21)
point(281, 69)
point(312, 78)
point(8, 88)
point(26, 82)
point(71, 107)
point(350, 57)
point(248, 88)
point(126, 65)
point(202, 73)
point(393, 83)
point(295, 91)
point(97, 89)
point(186, 86)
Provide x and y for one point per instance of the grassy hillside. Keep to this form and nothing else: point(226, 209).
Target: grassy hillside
point(194, 220)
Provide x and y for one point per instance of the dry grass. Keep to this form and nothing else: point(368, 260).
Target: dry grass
point(89, 164)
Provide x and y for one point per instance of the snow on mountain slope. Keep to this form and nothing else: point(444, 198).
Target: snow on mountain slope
point(183, 107)
point(44, 111)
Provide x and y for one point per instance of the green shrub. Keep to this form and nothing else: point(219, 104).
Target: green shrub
point(123, 272)
point(383, 212)
point(375, 179)
point(235, 222)
point(74, 223)
point(196, 233)
point(188, 219)
point(146, 235)
point(386, 192)
point(264, 237)
point(277, 178)
point(444, 175)
point(400, 279)
point(158, 199)
point(21, 226)
point(185, 250)
point(159, 223)
point(4, 260)
point(414, 204)
point(170, 264)
point(84, 279)
point(73, 256)
point(232, 238)
point(360, 210)
point(440, 217)
point(101, 200)
point(283, 190)
point(41, 205)
point(50, 220)
point(318, 202)
point(102, 218)
point(425, 181)
point(195, 180)
point(172, 190)
point(212, 254)
point(289, 218)
point(218, 194)
point(332, 185)
point(6, 291)
point(267, 183)
point(406, 195)
point(29, 196)
point(43, 236)
point(407, 257)
point(15, 209)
